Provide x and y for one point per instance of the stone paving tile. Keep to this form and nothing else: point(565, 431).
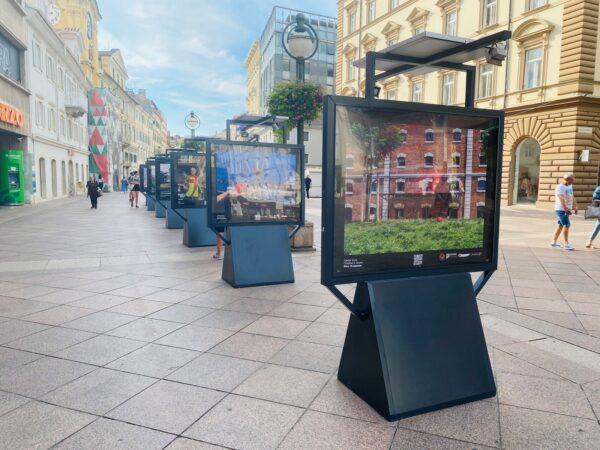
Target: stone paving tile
point(102, 286)
point(63, 283)
point(524, 428)
point(335, 316)
point(41, 376)
point(277, 327)
point(252, 305)
point(589, 309)
point(145, 329)
point(11, 358)
point(63, 296)
point(99, 322)
point(15, 308)
point(287, 385)
point(227, 320)
point(50, 340)
point(474, 422)
point(9, 401)
point(408, 439)
point(13, 329)
point(154, 360)
point(100, 301)
point(215, 372)
point(557, 396)
point(106, 434)
point(167, 406)
point(139, 308)
point(505, 301)
point(540, 304)
point(170, 296)
point(58, 315)
point(46, 425)
point(196, 338)
point(246, 423)
point(190, 444)
point(250, 346)
point(99, 350)
point(29, 292)
point(324, 300)
point(323, 333)
point(298, 311)
point(327, 432)
point(211, 300)
point(99, 391)
point(181, 313)
point(504, 362)
point(566, 320)
point(309, 356)
point(590, 323)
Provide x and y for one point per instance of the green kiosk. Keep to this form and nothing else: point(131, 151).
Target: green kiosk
point(11, 177)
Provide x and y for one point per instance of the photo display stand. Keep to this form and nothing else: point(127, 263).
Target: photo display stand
point(162, 194)
point(151, 187)
point(188, 197)
point(254, 194)
point(411, 209)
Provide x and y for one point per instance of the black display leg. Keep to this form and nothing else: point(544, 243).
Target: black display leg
point(195, 229)
point(160, 212)
point(174, 221)
point(421, 347)
point(258, 255)
point(150, 203)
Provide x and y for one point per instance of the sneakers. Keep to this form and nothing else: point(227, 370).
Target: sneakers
point(555, 245)
point(217, 256)
point(569, 247)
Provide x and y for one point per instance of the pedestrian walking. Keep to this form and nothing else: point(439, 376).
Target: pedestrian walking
point(596, 230)
point(564, 206)
point(93, 187)
point(100, 182)
point(124, 184)
point(307, 183)
point(135, 190)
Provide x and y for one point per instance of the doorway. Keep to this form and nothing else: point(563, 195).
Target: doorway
point(527, 172)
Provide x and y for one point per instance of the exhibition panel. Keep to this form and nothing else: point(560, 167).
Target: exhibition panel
point(188, 182)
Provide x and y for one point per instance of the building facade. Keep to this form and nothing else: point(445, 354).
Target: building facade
point(59, 138)
point(549, 85)
point(253, 79)
point(14, 93)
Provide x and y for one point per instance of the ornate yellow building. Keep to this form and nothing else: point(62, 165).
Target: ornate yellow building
point(253, 79)
point(549, 85)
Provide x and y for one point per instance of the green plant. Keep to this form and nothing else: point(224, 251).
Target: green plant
point(297, 100)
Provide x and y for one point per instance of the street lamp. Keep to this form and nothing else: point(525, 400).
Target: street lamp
point(301, 42)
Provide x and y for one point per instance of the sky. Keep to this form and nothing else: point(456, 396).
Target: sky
point(189, 54)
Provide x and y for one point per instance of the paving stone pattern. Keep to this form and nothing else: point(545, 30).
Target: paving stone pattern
point(113, 335)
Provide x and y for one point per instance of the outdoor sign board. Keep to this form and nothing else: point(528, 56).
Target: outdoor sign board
point(151, 177)
point(255, 183)
point(143, 177)
point(409, 189)
point(188, 180)
point(163, 179)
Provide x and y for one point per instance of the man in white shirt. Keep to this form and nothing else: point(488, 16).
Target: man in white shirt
point(564, 205)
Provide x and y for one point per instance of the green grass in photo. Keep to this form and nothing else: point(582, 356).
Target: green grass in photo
point(418, 235)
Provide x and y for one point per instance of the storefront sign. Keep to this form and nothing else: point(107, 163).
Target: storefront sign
point(11, 115)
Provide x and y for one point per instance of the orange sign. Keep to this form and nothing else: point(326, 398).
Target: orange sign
point(11, 115)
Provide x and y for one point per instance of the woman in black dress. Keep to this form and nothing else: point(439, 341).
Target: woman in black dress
point(92, 191)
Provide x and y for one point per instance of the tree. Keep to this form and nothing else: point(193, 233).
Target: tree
point(297, 100)
point(377, 143)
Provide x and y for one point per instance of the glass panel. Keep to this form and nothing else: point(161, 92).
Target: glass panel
point(533, 63)
point(528, 177)
point(189, 185)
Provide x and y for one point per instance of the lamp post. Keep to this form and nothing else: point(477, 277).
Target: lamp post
point(301, 42)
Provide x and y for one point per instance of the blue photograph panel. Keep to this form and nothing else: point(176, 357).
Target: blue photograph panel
point(188, 187)
point(258, 183)
point(163, 185)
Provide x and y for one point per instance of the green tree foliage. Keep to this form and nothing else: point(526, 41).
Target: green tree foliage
point(298, 100)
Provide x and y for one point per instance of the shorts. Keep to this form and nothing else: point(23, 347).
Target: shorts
point(136, 188)
point(563, 219)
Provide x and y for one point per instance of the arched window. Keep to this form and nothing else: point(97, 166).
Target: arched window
point(349, 187)
point(54, 180)
point(428, 159)
point(455, 159)
point(454, 185)
point(372, 211)
point(76, 172)
point(400, 185)
point(429, 136)
point(403, 136)
point(401, 160)
point(456, 135)
point(399, 212)
point(63, 171)
point(348, 212)
point(480, 210)
point(481, 184)
point(42, 163)
point(374, 186)
point(482, 158)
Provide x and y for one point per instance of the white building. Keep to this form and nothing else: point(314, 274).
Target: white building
point(59, 138)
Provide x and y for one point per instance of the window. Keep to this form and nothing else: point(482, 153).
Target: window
point(456, 135)
point(489, 13)
point(428, 159)
point(455, 185)
point(533, 65)
point(481, 184)
point(50, 70)
point(306, 136)
point(306, 158)
point(37, 56)
point(453, 212)
point(486, 72)
point(450, 25)
point(390, 94)
point(42, 163)
point(394, 4)
point(351, 22)
point(401, 160)
point(533, 4)
point(456, 159)
point(481, 210)
point(417, 91)
point(482, 159)
point(374, 186)
point(426, 212)
point(54, 178)
point(40, 114)
point(76, 172)
point(392, 41)
point(348, 212)
point(400, 185)
point(428, 136)
point(371, 11)
point(349, 187)
point(349, 161)
point(61, 79)
point(372, 211)
point(448, 89)
point(419, 29)
point(399, 213)
point(350, 68)
point(403, 136)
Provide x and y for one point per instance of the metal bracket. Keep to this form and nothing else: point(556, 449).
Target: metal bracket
point(362, 315)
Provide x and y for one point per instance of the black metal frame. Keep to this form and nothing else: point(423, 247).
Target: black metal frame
point(209, 188)
point(161, 159)
point(328, 278)
point(143, 181)
point(264, 121)
point(150, 186)
point(435, 60)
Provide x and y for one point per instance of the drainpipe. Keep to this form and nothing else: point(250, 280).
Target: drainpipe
point(508, 45)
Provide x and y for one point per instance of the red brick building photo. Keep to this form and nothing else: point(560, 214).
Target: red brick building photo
point(434, 172)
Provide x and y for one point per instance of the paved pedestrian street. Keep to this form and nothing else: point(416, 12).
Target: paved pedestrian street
point(113, 335)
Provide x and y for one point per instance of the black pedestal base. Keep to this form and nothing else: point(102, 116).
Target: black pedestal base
point(421, 348)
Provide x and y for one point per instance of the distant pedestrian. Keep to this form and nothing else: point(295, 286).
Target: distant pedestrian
point(307, 183)
point(596, 230)
point(100, 182)
point(135, 190)
point(564, 206)
point(93, 187)
point(124, 184)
